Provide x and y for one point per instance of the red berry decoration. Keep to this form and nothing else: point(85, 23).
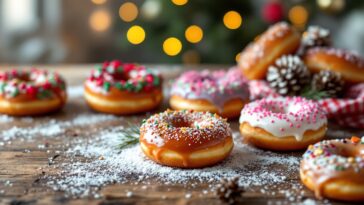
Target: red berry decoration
point(273, 11)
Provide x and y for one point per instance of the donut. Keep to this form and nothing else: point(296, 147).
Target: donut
point(31, 92)
point(121, 88)
point(221, 92)
point(349, 65)
point(335, 169)
point(283, 124)
point(186, 139)
point(278, 40)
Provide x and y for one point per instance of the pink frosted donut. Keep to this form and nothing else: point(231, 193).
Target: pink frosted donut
point(221, 92)
point(283, 123)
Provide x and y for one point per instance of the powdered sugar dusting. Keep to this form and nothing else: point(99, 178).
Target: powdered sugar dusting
point(53, 127)
point(78, 178)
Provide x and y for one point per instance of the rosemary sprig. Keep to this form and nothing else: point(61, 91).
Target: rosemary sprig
point(129, 136)
point(313, 94)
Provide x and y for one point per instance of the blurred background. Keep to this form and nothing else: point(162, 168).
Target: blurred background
point(160, 31)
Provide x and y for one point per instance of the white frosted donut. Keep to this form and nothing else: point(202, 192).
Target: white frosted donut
point(283, 123)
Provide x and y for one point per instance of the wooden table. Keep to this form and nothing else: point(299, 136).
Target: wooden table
point(22, 162)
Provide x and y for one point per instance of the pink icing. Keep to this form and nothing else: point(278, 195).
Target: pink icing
point(217, 86)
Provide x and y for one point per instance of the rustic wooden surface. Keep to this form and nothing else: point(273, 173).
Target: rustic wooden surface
point(23, 168)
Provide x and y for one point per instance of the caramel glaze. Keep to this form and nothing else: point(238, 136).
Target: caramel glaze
point(320, 177)
point(184, 149)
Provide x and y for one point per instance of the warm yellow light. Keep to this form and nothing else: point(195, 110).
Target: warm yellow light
point(100, 20)
point(298, 15)
point(194, 34)
point(135, 35)
point(232, 20)
point(180, 2)
point(172, 46)
point(98, 1)
point(237, 57)
point(128, 11)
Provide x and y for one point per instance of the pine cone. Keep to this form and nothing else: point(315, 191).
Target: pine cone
point(330, 82)
point(314, 36)
point(288, 76)
point(229, 190)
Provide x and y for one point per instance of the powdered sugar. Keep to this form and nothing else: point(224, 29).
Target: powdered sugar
point(75, 91)
point(78, 178)
point(53, 127)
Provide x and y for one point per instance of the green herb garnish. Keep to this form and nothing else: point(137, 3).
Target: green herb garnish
point(129, 136)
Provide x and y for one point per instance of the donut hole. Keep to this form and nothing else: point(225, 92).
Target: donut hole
point(347, 152)
point(179, 123)
point(120, 77)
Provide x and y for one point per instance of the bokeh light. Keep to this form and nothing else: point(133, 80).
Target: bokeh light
point(151, 9)
point(172, 46)
point(180, 2)
point(237, 57)
point(232, 20)
point(128, 11)
point(100, 20)
point(98, 1)
point(135, 35)
point(194, 34)
point(298, 15)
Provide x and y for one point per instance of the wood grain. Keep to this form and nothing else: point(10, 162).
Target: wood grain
point(23, 162)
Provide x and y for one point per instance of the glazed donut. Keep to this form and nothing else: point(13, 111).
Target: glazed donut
point(224, 93)
point(118, 88)
point(31, 92)
point(349, 65)
point(278, 40)
point(335, 169)
point(283, 124)
point(186, 139)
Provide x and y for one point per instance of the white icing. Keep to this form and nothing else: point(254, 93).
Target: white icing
point(153, 138)
point(298, 117)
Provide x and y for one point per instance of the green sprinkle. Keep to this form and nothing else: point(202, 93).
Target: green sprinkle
point(144, 121)
point(128, 86)
point(138, 87)
point(118, 86)
point(2, 87)
point(15, 93)
point(156, 81)
point(120, 69)
point(44, 94)
point(339, 168)
point(106, 86)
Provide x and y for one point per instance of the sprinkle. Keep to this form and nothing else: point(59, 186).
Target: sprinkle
point(318, 152)
point(355, 139)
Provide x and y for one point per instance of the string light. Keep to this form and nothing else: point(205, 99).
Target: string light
point(232, 20)
point(98, 1)
point(135, 35)
point(194, 34)
point(128, 11)
point(298, 15)
point(172, 46)
point(100, 20)
point(180, 2)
